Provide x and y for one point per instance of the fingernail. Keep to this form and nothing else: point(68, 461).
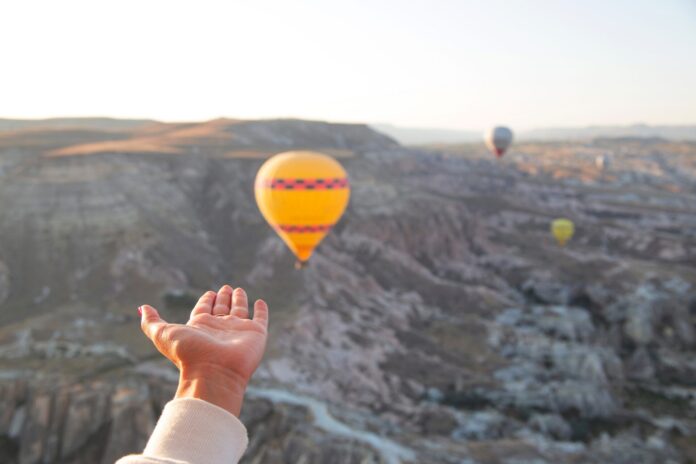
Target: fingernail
point(140, 311)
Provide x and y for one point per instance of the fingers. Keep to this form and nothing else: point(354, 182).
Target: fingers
point(261, 313)
point(151, 323)
point(240, 304)
point(205, 304)
point(223, 301)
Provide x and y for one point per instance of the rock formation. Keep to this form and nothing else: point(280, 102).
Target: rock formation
point(438, 323)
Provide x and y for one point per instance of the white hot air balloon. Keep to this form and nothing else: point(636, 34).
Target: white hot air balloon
point(601, 162)
point(498, 140)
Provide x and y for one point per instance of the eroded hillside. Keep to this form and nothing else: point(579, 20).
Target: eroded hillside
point(438, 323)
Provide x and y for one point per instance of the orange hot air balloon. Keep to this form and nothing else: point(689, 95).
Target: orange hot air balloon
point(302, 195)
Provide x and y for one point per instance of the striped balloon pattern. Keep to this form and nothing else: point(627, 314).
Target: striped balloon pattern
point(302, 195)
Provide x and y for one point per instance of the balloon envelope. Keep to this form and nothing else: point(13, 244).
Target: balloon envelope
point(562, 230)
point(601, 162)
point(302, 195)
point(498, 140)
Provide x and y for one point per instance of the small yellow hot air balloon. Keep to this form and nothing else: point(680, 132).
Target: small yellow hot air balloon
point(562, 230)
point(302, 195)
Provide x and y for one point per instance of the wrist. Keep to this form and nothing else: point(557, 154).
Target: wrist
point(213, 384)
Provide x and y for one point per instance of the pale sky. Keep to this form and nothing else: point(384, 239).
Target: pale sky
point(420, 63)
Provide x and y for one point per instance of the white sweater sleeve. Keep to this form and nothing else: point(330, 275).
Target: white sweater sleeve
point(193, 431)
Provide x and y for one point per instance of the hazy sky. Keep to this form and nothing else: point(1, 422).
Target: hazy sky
point(426, 63)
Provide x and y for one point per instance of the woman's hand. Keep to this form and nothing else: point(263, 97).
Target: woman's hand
point(217, 350)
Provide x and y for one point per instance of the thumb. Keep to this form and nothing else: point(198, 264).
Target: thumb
point(150, 322)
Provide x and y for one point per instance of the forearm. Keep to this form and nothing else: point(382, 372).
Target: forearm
point(200, 425)
point(192, 431)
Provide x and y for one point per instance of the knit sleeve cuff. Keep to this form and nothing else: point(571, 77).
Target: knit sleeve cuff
point(197, 432)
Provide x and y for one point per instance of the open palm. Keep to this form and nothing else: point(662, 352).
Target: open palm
point(219, 337)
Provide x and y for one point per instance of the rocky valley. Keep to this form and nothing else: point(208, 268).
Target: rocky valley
point(438, 323)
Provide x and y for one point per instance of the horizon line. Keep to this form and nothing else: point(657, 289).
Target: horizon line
point(403, 127)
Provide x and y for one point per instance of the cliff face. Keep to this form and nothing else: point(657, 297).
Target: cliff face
point(438, 322)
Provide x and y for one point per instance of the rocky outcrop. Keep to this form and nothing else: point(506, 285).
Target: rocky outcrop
point(438, 323)
point(98, 422)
